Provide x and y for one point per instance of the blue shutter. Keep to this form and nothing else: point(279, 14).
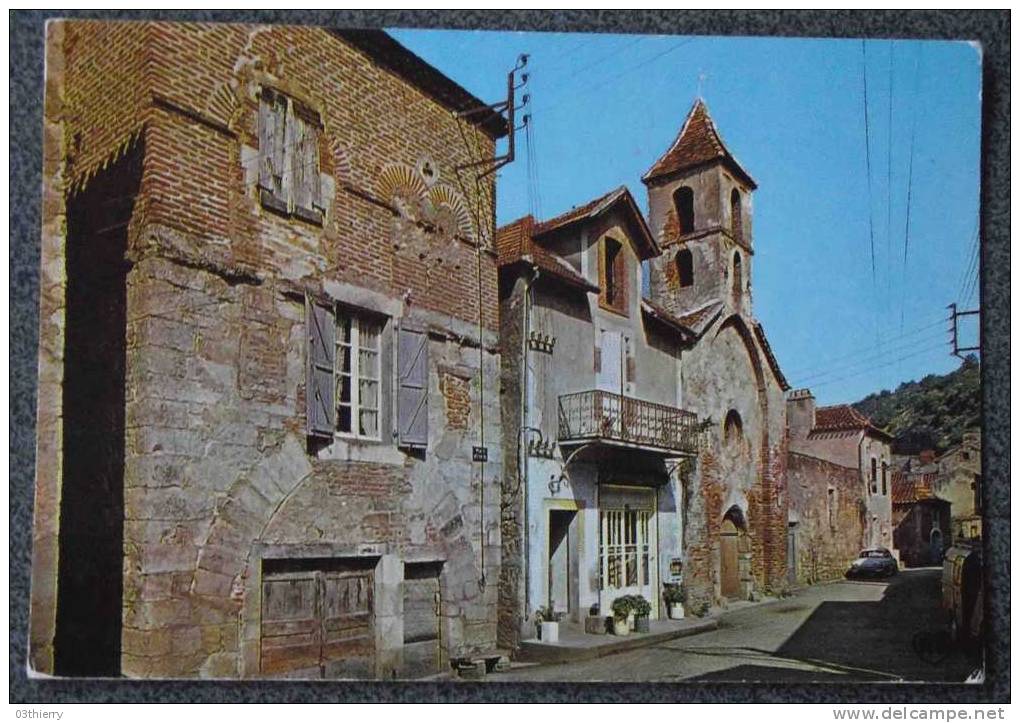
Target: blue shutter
point(321, 408)
point(413, 387)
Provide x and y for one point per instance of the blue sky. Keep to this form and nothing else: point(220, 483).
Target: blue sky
point(604, 107)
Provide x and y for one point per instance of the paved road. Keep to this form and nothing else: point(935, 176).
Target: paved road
point(842, 631)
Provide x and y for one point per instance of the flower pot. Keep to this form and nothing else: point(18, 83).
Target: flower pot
point(595, 625)
point(641, 624)
point(549, 632)
point(621, 626)
point(676, 611)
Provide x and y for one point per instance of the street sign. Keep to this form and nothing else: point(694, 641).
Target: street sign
point(480, 454)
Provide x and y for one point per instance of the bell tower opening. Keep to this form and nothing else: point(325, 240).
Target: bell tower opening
point(699, 203)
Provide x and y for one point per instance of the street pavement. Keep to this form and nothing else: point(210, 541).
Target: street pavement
point(843, 631)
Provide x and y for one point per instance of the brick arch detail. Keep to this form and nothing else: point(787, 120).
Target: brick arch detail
point(242, 517)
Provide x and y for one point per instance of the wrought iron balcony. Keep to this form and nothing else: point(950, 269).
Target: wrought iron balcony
point(598, 415)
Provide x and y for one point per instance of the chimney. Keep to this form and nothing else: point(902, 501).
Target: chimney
point(800, 413)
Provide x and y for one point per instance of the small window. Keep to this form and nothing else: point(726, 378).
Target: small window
point(358, 373)
point(736, 216)
point(683, 201)
point(832, 509)
point(614, 275)
point(685, 268)
point(874, 475)
point(738, 275)
point(733, 429)
point(289, 157)
point(885, 476)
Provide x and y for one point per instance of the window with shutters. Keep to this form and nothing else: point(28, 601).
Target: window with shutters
point(412, 387)
point(289, 133)
point(358, 375)
point(613, 276)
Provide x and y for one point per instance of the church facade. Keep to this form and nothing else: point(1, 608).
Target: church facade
point(644, 434)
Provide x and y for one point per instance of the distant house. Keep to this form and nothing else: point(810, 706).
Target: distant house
point(826, 442)
point(921, 520)
point(959, 482)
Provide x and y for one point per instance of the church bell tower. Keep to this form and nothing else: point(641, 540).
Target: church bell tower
point(700, 211)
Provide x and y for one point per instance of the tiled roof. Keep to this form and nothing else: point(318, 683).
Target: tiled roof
point(759, 332)
point(839, 417)
point(514, 244)
point(653, 310)
point(390, 54)
point(697, 143)
point(907, 489)
point(647, 247)
point(699, 319)
point(844, 418)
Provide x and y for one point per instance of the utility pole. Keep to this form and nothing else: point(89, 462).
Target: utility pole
point(954, 318)
point(509, 107)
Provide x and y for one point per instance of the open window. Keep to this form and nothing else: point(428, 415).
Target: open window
point(685, 268)
point(613, 274)
point(738, 276)
point(736, 216)
point(683, 202)
point(289, 133)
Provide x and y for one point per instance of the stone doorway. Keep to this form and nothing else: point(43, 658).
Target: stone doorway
point(733, 546)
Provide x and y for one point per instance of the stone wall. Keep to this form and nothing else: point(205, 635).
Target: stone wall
point(825, 546)
point(218, 472)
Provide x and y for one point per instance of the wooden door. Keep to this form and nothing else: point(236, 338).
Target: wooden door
point(317, 623)
point(348, 630)
point(729, 557)
point(423, 651)
point(291, 631)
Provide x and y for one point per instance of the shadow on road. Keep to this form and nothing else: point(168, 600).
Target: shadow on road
point(903, 636)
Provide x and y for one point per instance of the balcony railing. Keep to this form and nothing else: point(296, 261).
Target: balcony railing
point(596, 414)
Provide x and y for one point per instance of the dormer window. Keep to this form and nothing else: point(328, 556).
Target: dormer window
point(613, 273)
point(685, 268)
point(683, 202)
point(736, 216)
point(289, 156)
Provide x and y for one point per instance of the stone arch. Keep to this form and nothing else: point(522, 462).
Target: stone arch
point(244, 512)
point(736, 322)
point(401, 185)
point(450, 212)
point(342, 169)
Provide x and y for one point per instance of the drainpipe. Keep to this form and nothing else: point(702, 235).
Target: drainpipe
point(522, 454)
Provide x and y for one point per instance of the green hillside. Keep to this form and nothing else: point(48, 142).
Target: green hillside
point(929, 414)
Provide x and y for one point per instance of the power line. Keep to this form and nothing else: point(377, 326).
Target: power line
point(624, 73)
point(910, 181)
point(867, 156)
point(888, 182)
point(879, 366)
point(804, 381)
point(607, 56)
point(913, 332)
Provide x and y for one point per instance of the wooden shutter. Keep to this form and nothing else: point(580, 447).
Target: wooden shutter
point(299, 191)
point(321, 408)
point(631, 369)
point(267, 135)
point(413, 387)
point(312, 172)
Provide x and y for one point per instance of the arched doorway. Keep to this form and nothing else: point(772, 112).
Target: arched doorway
point(731, 545)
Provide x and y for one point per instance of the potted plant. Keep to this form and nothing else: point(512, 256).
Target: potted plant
point(675, 598)
point(622, 611)
point(548, 624)
point(595, 624)
point(642, 609)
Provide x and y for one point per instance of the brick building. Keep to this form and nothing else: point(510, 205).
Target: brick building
point(267, 345)
point(842, 462)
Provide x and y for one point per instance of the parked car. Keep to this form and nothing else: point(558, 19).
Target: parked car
point(874, 562)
